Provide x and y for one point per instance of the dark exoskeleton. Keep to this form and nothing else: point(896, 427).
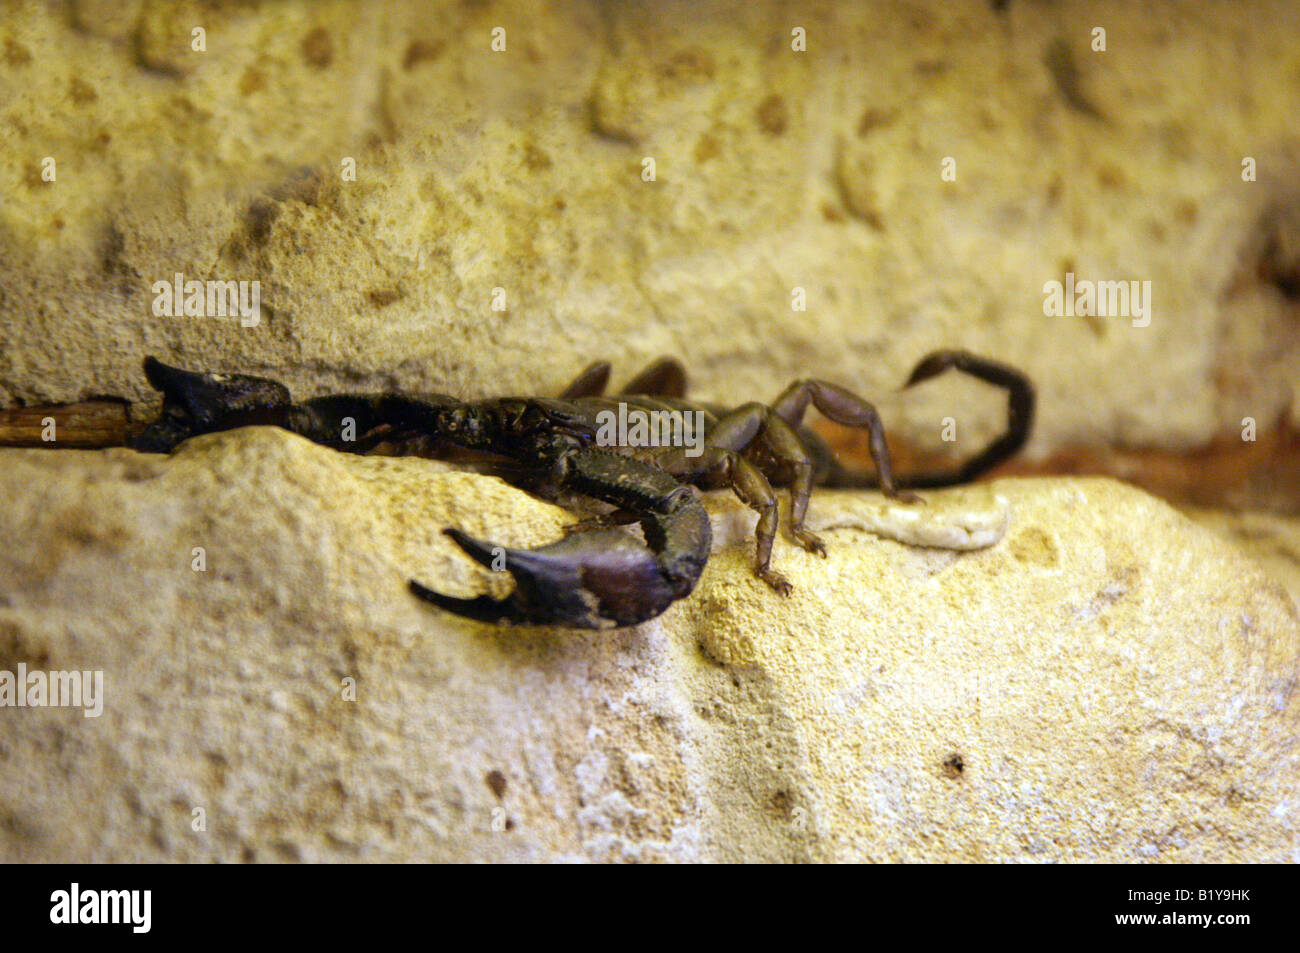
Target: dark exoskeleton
point(601, 577)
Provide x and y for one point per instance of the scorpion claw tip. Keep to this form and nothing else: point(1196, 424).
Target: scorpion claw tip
point(479, 551)
point(481, 608)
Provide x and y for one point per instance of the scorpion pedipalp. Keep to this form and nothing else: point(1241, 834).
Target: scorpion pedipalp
point(604, 578)
point(195, 403)
point(594, 580)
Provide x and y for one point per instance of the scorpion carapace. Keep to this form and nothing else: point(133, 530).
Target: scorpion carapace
point(601, 577)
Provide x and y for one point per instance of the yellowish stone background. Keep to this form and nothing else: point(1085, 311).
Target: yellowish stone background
point(775, 170)
point(1109, 682)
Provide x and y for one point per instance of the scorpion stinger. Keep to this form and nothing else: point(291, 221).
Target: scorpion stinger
point(1020, 418)
point(1020, 412)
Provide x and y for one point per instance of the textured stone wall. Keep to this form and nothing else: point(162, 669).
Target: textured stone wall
point(1105, 681)
point(1108, 682)
point(776, 169)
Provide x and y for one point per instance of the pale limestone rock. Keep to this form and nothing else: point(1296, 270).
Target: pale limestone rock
point(1271, 539)
point(1106, 682)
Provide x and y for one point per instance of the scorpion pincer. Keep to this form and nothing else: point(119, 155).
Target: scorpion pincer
point(601, 577)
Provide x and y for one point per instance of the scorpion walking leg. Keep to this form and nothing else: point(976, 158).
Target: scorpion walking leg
point(720, 465)
point(591, 382)
point(845, 408)
point(664, 378)
point(602, 579)
point(1020, 416)
point(781, 442)
point(754, 429)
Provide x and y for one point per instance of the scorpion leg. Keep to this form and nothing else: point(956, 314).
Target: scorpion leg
point(848, 409)
point(603, 579)
point(792, 459)
point(754, 429)
point(591, 382)
point(1020, 416)
point(664, 378)
point(720, 466)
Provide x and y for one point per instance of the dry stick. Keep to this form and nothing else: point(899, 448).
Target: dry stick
point(87, 425)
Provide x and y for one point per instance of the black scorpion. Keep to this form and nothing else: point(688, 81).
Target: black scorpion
point(601, 577)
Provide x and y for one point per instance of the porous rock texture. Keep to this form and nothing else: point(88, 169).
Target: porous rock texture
point(1105, 682)
point(799, 153)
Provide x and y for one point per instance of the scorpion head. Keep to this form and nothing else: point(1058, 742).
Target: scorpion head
point(464, 424)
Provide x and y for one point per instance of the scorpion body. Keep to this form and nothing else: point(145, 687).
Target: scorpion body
point(599, 576)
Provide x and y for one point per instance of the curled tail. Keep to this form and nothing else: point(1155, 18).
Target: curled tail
point(1020, 419)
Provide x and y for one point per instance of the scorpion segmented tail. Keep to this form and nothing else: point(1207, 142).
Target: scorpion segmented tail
point(1020, 418)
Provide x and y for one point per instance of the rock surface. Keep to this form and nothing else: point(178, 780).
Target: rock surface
point(1106, 682)
point(516, 178)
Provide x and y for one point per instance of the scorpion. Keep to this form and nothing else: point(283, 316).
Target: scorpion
point(599, 576)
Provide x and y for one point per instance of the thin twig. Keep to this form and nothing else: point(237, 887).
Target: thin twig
point(87, 425)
